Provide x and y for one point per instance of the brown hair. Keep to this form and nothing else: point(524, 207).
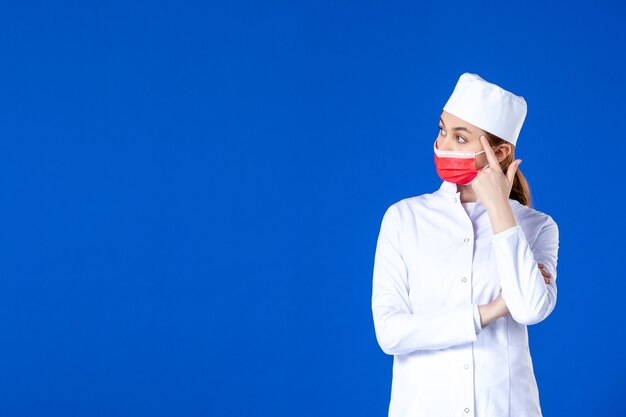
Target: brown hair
point(520, 190)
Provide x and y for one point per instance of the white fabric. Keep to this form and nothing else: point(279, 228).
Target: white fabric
point(488, 107)
point(469, 207)
point(434, 264)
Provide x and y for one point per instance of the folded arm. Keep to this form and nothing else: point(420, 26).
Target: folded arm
point(398, 330)
point(527, 295)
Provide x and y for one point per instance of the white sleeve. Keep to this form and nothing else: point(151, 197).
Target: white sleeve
point(477, 324)
point(398, 330)
point(529, 299)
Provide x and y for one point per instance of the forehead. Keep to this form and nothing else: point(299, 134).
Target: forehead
point(451, 121)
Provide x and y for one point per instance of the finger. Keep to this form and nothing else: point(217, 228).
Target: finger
point(541, 265)
point(491, 157)
point(547, 280)
point(542, 268)
point(510, 171)
point(546, 274)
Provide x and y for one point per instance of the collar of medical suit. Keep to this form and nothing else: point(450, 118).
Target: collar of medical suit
point(450, 188)
point(450, 191)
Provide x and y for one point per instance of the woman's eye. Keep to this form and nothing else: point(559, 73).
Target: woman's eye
point(461, 137)
point(442, 130)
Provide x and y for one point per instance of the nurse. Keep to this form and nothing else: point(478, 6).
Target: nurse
point(461, 272)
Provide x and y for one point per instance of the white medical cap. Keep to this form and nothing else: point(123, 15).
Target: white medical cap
point(487, 106)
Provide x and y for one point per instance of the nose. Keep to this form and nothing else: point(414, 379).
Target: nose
point(443, 144)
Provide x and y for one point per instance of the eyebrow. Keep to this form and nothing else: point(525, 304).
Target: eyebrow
point(456, 128)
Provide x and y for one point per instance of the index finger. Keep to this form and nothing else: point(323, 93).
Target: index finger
point(491, 157)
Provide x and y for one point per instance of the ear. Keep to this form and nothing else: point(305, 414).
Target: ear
point(503, 151)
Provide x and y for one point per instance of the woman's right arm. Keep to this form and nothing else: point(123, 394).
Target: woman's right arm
point(398, 330)
point(492, 311)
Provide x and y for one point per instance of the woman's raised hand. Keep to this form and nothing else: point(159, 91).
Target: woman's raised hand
point(492, 185)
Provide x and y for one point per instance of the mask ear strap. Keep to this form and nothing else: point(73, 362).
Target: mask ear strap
point(484, 150)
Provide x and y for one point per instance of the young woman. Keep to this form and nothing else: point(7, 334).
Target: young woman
point(461, 272)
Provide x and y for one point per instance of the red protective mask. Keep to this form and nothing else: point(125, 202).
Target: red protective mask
point(456, 166)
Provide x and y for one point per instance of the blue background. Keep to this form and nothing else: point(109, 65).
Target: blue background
point(192, 192)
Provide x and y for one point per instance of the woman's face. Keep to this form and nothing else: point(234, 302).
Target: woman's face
point(457, 135)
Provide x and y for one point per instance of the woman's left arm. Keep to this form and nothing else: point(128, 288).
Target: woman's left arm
point(524, 290)
point(528, 297)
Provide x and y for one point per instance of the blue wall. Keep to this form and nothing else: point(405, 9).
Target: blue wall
point(191, 195)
